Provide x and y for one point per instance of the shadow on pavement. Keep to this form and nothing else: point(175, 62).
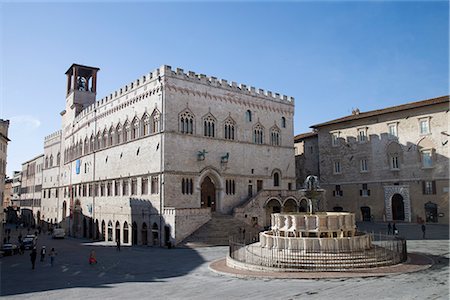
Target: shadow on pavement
point(71, 268)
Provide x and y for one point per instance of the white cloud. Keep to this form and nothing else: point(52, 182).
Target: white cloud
point(25, 122)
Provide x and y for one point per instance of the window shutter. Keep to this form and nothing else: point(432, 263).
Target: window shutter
point(434, 187)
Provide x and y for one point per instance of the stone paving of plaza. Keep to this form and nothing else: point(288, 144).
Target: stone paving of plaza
point(138, 272)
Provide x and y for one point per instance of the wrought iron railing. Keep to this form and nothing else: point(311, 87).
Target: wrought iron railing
point(386, 250)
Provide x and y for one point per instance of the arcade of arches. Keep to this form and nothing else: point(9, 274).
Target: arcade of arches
point(275, 205)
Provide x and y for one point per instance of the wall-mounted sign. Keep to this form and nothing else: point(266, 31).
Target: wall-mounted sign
point(77, 166)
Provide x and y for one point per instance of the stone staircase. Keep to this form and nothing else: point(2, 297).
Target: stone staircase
point(216, 232)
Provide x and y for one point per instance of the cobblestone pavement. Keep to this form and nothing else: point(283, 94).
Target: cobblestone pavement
point(139, 272)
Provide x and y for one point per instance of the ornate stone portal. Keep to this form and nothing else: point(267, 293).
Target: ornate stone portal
point(318, 241)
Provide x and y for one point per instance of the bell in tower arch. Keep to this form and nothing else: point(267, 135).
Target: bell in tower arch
point(82, 84)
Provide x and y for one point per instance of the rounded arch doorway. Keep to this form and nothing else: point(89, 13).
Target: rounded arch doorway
point(272, 206)
point(208, 194)
point(398, 208)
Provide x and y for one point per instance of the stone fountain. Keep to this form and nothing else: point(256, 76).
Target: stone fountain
point(313, 240)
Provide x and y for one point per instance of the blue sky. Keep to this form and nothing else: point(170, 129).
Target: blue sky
point(331, 56)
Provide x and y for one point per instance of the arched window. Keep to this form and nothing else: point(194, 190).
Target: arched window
point(186, 122)
point(111, 136)
point(155, 121)
point(258, 134)
point(126, 130)
point(248, 116)
point(98, 141)
point(209, 126)
point(46, 162)
point(92, 147)
point(125, 232)
point(110, 231)
point(58, 158)
point(51, 161)
point(118, 134)
point(276, 179)
point(275, 136)
point(145, 124)
point(144, 234)
point(80, 148)
point(229, 129)
point(64, 210)
point(117, 231)
point(86, 146)
point(395, 155)
point(135, 129)
point(283, 122)
point(105, 138)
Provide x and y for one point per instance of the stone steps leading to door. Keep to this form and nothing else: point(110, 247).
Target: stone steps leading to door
point(217, 232)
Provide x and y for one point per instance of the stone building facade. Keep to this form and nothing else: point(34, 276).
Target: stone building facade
point(16, 185)
point(31, 189)
point(4, 127)
point(306, 157)
point(7, 193)
point(388, 164)
point(150, 162)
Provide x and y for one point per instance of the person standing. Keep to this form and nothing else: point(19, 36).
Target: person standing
point(423, 230)
point(92, 259)
point(33, 255)
point(43, 251)
point(118, 245)
point(389, 228)
point(394, 229)
point(52, 256)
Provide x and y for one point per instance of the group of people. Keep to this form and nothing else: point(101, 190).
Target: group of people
point(394, 230)
point(33, 256)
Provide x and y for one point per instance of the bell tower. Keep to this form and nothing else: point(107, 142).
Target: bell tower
point(81, 88)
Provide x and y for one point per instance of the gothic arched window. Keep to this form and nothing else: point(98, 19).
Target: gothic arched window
point(126, 130)
point(135, 129)
point(118, 134)
point(209, 127)
point(229, 129)
point(258, 134)
point(275, 136)
point(186, 122)
point(155, 121)
point(145, 124)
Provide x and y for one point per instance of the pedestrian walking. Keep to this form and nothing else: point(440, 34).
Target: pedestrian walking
point(92, 259)
point(52, 256)
point(118, 245)
point(423, 230)
point(389, 228)
point(395, 230)
point(43, 251)
point(33, 256)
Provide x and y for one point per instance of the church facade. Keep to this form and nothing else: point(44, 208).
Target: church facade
point(150, 162)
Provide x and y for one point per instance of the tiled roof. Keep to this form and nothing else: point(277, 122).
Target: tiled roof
point(302, 136)
point(392, 109)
